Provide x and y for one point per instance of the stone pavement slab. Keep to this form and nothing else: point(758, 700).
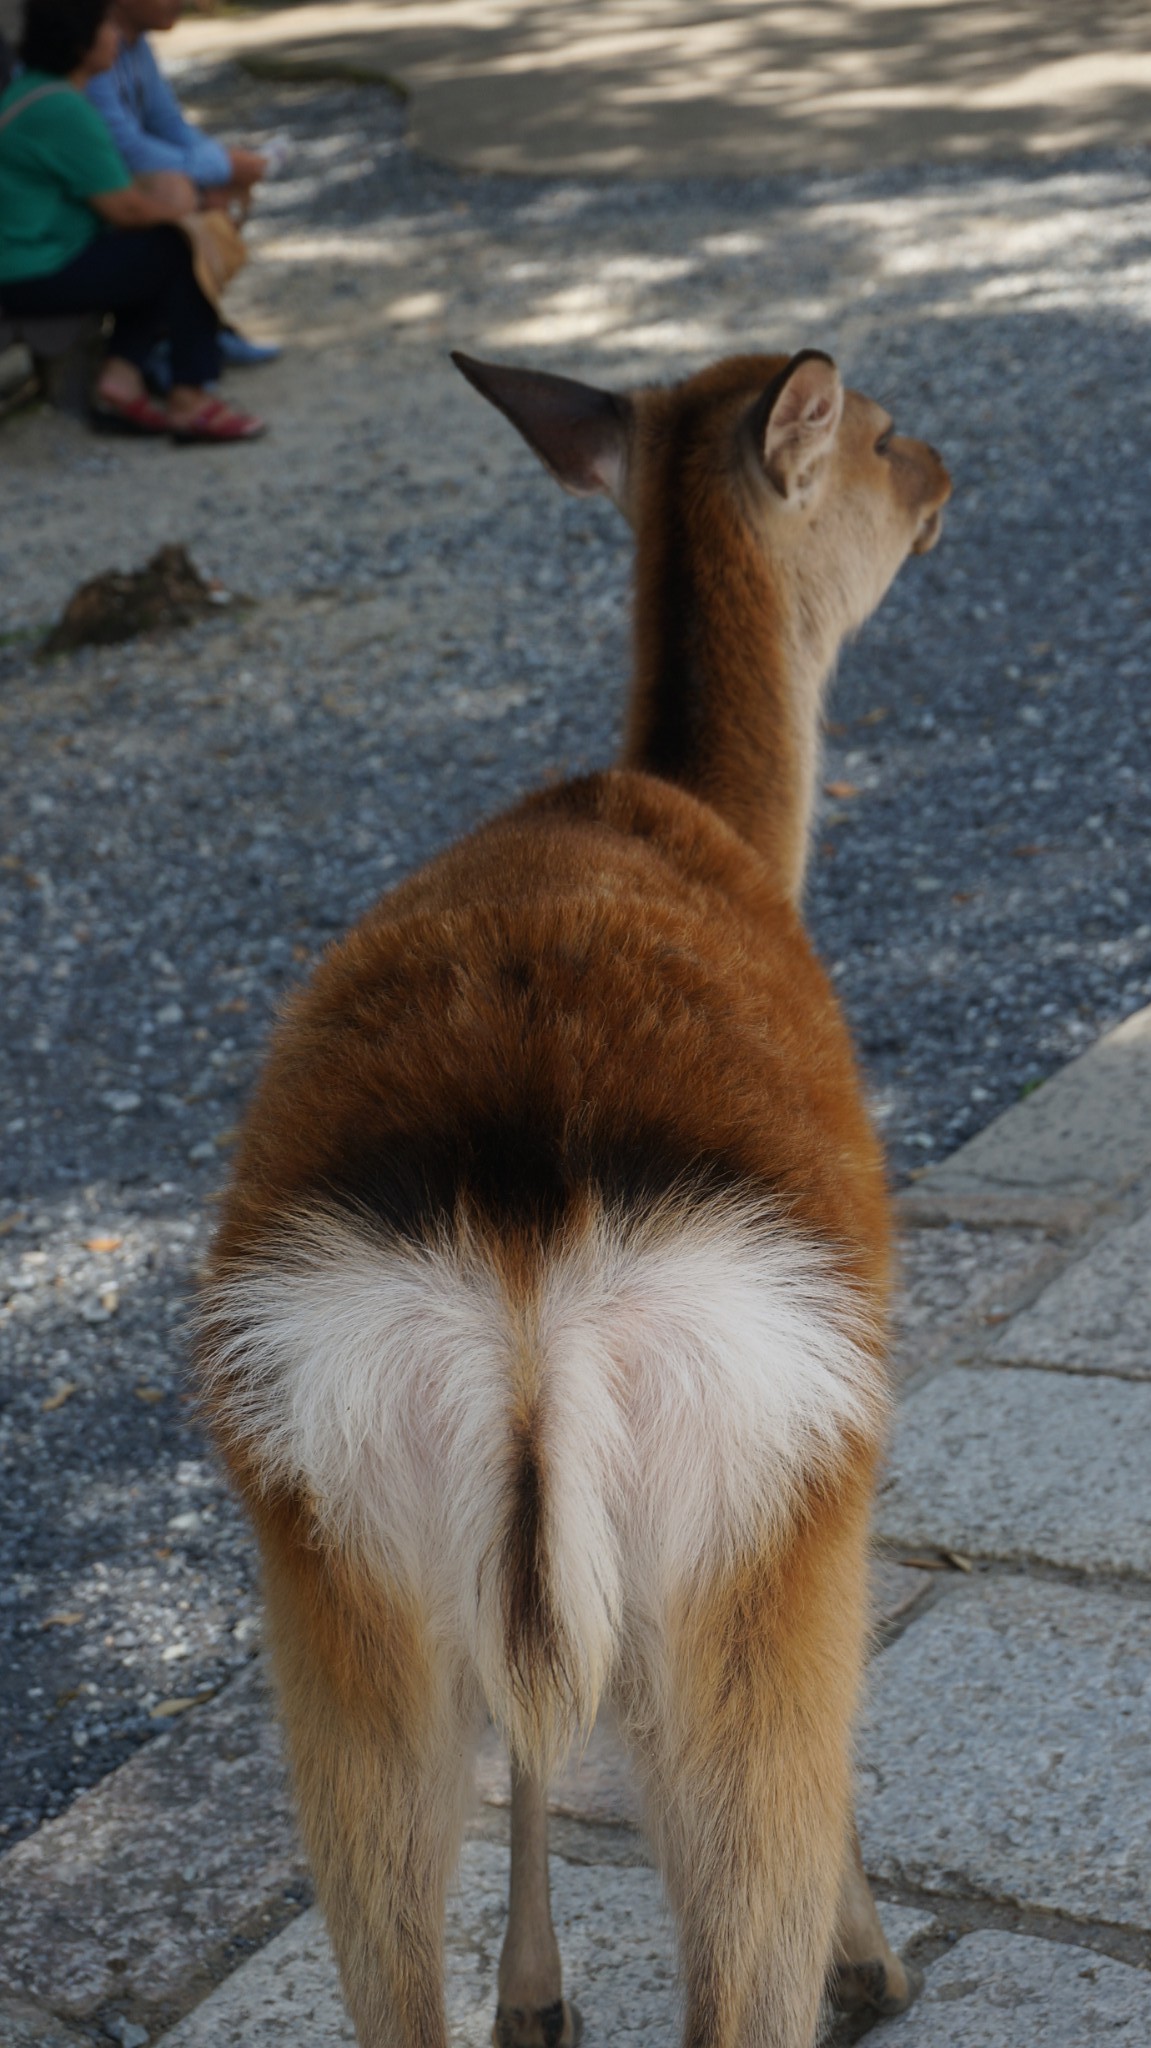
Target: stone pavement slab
point(24, 2025)
point(957, 1283)
point(1097, 1315)
point(1077, 1143)
point(596, 1785)
point(675, 87)
point(287, 1994)
point(1001, 1462)
point(1011, 1991)
point(1006, 1751)
point(153, 1883)
point(615, 1935)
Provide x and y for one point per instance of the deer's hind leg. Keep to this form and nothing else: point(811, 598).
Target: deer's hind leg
point(867, 1975)
point(742, 1719)
point(380, 1735)
point(532, 2010)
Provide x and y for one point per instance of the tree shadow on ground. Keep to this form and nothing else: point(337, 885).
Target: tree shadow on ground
point(661, 85)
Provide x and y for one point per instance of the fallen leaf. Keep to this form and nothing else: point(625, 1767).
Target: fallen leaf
point(926, 1564)
point(956, 1558)
point(875, 717)
point(58, 1399)
point(963, 895)
point(102, 1244)
point(840, 789)
point(62, 1620)
point(837, 731)
point(1028, 852)
point(167, 1708)
point(148, 1393)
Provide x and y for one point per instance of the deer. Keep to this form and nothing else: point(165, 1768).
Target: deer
point(543, 1332)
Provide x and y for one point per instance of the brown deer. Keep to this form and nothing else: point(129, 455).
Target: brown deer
point(544, 1335)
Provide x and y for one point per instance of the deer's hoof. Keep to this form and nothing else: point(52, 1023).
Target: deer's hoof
point(884, 1988)
point(547, 2026)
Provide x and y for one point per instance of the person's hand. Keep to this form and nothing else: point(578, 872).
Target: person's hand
point(154, 200)
point(175, 193)
point(248, 166)
point(234, 200)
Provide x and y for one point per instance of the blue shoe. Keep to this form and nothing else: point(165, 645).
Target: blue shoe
point(238, 353)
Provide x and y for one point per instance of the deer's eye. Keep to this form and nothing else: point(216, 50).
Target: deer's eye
point(884, 441)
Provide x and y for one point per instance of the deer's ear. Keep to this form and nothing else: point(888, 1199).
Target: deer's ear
point(796, 422)
point(579, 433)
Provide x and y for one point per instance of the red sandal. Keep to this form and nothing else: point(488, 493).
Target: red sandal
point(129, 415)
point(216, 421)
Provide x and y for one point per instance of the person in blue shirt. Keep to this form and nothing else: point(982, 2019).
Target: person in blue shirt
point(151, 133)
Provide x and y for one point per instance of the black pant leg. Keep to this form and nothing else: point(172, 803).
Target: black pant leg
point(144, 276)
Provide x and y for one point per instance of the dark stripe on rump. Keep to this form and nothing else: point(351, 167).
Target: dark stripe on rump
point(516, 1171)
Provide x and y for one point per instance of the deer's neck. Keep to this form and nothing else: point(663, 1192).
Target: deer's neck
point(728, 689)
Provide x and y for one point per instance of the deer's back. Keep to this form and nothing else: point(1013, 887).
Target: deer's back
point(600, 992)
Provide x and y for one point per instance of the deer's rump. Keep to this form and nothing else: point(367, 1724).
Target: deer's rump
point(532, 1287)
point(539, 1448)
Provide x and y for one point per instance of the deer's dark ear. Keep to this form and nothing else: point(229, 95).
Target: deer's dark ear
point(796, 421)
point(579, 433)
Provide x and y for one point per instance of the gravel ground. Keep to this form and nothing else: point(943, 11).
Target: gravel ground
point(432, 628)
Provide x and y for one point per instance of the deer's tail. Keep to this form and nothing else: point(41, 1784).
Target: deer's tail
point(540, 1452)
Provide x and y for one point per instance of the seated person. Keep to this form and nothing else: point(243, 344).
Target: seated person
point(79, 235)
point(151, 134)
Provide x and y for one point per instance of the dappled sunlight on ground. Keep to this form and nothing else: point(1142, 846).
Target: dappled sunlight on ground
point(1075, 244)
point(422, 627)
point(637, 87)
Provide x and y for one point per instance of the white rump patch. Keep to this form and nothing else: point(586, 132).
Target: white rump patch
point(691, 1372)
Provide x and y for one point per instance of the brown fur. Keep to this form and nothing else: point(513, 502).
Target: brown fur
point(765, 1672)
point(608, 996)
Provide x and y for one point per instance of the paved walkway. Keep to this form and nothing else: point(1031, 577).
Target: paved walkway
point(1005, 1768)
point(1005, 1789)
point(667, 87)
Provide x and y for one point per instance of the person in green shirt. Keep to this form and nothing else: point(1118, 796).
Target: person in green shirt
point(79, 234)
